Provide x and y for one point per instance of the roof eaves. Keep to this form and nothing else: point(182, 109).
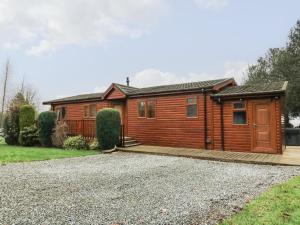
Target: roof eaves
point(249, 93)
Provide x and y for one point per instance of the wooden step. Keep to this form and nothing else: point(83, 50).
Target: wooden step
point(132, 145)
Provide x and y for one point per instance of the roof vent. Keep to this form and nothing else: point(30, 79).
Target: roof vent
point(127, 81)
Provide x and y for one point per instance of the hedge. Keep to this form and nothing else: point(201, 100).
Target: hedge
point(46, 124)
point(108, 124)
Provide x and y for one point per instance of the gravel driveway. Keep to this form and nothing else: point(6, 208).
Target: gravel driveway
point(125, 188)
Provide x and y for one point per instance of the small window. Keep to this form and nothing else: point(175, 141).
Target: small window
point(239, 105)
point(141, 109)
point(93, 110)
point(151, 109)
point(90, 111)
point(239, 117)
point(61, 113)
point(239, 113)
point(191, 108)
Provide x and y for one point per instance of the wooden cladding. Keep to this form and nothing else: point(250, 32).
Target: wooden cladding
point(182, 121)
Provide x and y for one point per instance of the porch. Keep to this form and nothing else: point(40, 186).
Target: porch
point(290, 157)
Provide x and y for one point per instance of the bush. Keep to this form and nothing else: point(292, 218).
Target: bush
point(11, 127)
point(27, 116)
point(60, 134)
point(2, 141)
point(29, 136)
point(76, 143)
point(108, 123)
point(94, 145)
point(46, 124)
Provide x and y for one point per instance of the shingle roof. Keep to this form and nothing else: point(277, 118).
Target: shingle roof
point(273, 87)
point(133, 91)
point(174, 87)
point(76, 98)
point(126, 89)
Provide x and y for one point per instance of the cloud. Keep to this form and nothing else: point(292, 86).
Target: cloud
point(236, 69)
point(100, 89)
point(212, 4)
point(43, 26)
point(152, 77)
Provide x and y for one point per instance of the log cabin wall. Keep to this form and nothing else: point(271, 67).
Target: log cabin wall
point(239, 137)
point(75, 111)
point(170, 127)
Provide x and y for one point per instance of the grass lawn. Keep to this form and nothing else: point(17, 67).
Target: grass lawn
point(279, 206)
point(22, 154)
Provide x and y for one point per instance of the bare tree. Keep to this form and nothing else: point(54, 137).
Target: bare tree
point(4, 93)
point(30, 94)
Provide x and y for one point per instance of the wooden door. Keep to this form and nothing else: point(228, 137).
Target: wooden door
point(264, 127)
point(120, 109)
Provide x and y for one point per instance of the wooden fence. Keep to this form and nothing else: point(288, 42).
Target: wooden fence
point(85, 128)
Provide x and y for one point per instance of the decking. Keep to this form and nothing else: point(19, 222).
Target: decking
point(290, 157)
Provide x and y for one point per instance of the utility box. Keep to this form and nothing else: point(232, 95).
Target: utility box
point(292, 136)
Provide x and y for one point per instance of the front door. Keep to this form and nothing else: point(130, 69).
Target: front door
point(263, 127)
point(120, 109)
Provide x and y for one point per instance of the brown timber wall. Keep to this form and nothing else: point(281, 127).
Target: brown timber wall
point(171, 127)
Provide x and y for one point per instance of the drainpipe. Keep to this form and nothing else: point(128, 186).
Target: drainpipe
point(222, 123)
point(205, 118)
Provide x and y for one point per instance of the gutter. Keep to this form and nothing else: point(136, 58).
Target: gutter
point(222, 124)
point(205, 118)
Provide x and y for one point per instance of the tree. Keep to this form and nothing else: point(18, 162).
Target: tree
point(4, 94)
point(281, 64)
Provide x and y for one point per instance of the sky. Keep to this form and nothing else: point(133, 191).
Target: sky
point(71, 47)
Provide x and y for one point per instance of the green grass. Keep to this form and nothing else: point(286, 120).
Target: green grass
point(278, 206)
point(21, 154)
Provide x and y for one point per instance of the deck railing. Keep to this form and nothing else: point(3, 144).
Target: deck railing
point(85, 128)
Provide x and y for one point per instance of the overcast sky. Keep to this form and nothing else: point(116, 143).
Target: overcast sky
point(69, 47)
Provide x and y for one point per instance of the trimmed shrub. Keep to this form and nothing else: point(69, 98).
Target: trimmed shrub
point(27, 116)
point(76, 143)
point(46, 124)
point(108, 123)
point(11, 127)
point(60, 134)
point(94, 145)
point(29, 136)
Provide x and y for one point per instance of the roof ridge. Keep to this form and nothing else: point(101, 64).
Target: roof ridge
point(221, 80)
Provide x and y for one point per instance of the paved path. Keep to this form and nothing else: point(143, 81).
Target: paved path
point(291, 155)
point(127, 188)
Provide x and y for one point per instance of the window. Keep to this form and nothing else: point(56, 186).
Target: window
point(151, 109)
point(142, 109)
point(61, 113)
point(191, 108)
point(239, 113)
point(90, 111)
point(93, 110)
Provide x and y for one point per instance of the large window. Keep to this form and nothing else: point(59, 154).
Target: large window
point(151, 109)
point(191, 108)
point(61, 113)
point(239, 113)
point(90, 111)
point(141, 109)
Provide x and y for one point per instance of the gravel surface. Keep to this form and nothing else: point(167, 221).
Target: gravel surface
point(125, 188)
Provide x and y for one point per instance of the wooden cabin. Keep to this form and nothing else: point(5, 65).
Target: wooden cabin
point(214, 114)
